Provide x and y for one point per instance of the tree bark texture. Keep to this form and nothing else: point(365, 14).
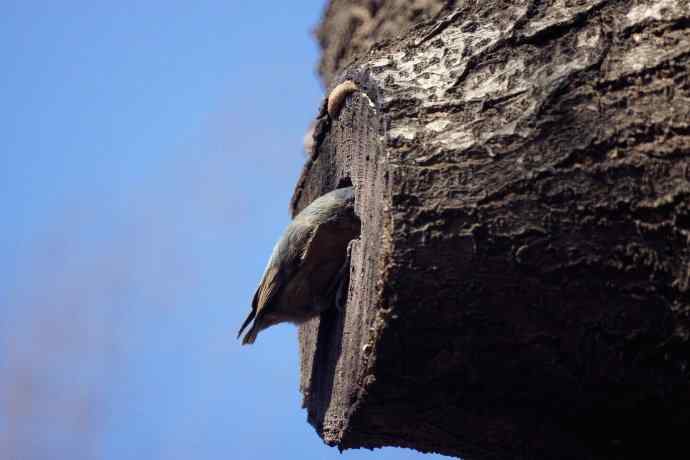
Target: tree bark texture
point(521, 285)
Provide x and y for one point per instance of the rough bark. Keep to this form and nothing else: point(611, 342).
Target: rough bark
point(521, 286)
point(350, 28)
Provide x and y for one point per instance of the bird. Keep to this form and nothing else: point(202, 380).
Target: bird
point(308, 265)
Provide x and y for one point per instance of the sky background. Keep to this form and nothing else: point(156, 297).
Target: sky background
point(148, 154)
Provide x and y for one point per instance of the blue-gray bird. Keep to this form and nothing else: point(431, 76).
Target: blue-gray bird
point(308, 264)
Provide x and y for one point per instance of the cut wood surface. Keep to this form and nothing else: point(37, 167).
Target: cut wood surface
point(521, 285)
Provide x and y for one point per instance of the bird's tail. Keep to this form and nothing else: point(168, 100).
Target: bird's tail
point(250, 336)
point(249, 319)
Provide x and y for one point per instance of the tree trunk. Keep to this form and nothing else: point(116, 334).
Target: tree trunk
point(521, 285)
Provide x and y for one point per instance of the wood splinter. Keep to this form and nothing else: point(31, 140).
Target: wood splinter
point(336, 98)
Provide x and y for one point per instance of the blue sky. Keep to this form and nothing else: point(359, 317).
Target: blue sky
point(149, 151)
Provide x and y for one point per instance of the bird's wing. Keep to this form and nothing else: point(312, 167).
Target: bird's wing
point(267, 290)
point(318, 244)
